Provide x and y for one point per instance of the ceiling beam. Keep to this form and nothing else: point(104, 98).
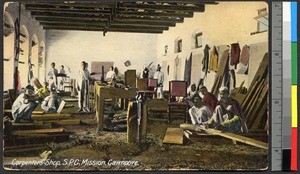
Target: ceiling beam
point(102, 29)
point(127, 5)
point(76, 4)
point(113, 26)
point(88, 14)
point(60, 23)
point(116, 21)
point(70, 19)
point(144, 23)
point(164, 14)
point(160, 19)
point(69, 11)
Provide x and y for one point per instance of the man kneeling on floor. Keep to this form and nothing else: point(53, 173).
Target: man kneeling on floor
point(50, 103)
point(24, 105)
point(200, 112)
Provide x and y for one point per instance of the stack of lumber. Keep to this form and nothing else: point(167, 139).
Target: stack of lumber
point(254, 103)
point(33, 140)
point(221, 71)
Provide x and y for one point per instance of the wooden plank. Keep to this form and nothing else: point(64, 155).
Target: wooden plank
point(65, 122)
point(173, 136)
point(249, 95)
point(228, 135)
point(39, 131)
point(34, 125)
point(253, 101)
point(61, 106)
point(34, 112)
point(259, 117)
point(51, 117)
point(260, 102)
point(71, 100)
point(69, 106)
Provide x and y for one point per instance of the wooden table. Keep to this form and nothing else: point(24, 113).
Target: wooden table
point(103, 92)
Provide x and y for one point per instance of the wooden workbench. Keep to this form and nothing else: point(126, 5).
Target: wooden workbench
point(103, 92)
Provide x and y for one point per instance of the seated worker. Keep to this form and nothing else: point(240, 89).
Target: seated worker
point(199, 113)
point(228, 114)
point(50, 103)
point(191, 94)
point(110, 74)
point(24, 105)
point(208, 98)
point(234, 124)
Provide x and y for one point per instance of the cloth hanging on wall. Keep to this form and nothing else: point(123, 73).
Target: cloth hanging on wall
point(205, 59)
point(176, 66)
point(188, 70)
point(227, 76)
point(214, 58)
point(232, 78)
point(245, 55)
point(235, 54)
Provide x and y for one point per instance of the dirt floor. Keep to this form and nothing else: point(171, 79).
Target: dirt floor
point(108, 150)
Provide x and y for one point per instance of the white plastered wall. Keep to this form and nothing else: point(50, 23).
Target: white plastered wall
point(69, 48)
point(221, 25)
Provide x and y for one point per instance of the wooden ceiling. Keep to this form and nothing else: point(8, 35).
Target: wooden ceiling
point(114, 16)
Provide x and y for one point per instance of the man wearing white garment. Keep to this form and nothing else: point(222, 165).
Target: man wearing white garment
point(200, 112)
point(110, 74)
point(160, 80)
point(82, 86)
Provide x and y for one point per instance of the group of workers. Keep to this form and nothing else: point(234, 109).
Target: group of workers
point(224, 114)
point(206, 109)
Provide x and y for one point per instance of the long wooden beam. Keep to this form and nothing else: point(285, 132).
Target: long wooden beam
point(112, 26)
point(81, 14)
point(68, 18)
point(102, 29)
point(160, 19)
point(69, 11)
point(126, 5)
point(66, 23)
point(76, 4)
point(149, 23)
point(163, 14)
point(115, 23)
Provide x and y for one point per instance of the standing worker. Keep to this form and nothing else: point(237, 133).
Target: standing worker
point(160, 80)
point(82, 87)
point(52, 74)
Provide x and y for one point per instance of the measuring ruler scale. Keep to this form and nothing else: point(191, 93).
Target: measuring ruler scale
point(283, 89)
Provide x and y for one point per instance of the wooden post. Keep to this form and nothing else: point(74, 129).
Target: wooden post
point(132, 124)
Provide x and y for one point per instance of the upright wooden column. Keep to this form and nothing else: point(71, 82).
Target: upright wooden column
point(132, 124)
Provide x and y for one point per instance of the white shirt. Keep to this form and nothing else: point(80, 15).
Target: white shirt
point(110, 75)
point(52, 73)
point(160, 77)
point(202, 114)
